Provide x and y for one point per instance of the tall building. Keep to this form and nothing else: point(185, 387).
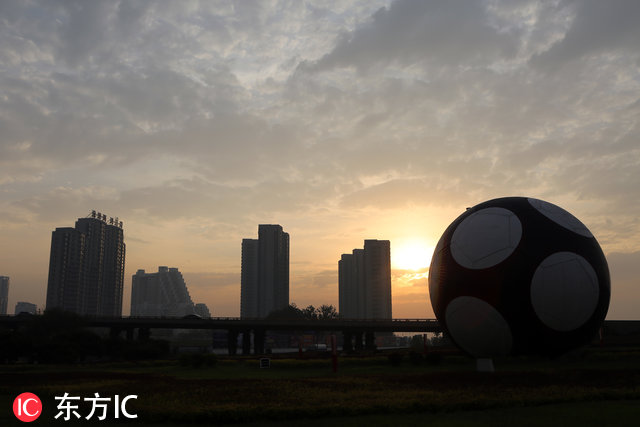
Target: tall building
point(364, 278)
point(65, 285)
point(249, 279)
point(25, 307)
point(352, 290)
point(112, 290)
point(265, 272)
point(86, 267)
point(160, 294)
point(377, 276)
point(4, 294)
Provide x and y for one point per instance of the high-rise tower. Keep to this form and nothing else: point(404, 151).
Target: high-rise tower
point(86, 267)
point(364, 278)
point(249, 279)
point(377, 276)
point(265, 272)
point(65, 287)
point(4, 294)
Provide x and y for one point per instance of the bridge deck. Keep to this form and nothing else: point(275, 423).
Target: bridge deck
point(234, 323)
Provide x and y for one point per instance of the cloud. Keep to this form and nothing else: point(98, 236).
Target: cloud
point(399, 193)
point(410, 279)
point(412, 32)
point(596, 28)
point(132, 73)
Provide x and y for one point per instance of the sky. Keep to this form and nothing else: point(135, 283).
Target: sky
point(193, 122)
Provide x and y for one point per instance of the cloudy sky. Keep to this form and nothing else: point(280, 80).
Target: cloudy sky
point(193, 122)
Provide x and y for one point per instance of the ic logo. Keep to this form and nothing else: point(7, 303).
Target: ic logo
point(27, 407)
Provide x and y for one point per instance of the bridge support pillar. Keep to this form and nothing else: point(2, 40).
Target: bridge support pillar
point(347, 344)
point(232, 342)
point(246, 342)
point(114, 332)
point(258, 341)
point(144, 334)
point(358, 337)
point(370, 341)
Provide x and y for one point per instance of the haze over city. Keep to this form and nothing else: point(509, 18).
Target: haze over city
point(195, 122)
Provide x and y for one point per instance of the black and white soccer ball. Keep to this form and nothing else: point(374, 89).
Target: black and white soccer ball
point(519, 275)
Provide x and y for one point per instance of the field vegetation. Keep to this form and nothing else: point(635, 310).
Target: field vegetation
point(385, 389)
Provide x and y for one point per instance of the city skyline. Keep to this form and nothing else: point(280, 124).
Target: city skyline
point(341, 122)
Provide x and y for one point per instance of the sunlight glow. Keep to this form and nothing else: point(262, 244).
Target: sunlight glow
point(412, 254)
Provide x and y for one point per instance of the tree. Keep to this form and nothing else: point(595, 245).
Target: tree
point(325, 312)
point(59, 337)
point(290, 312)
point(310, 313)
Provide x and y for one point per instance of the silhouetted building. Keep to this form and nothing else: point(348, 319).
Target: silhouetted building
point(265, 272)
point(25, 307)
point(364, 278)
point(65, 285)
point(86, 267)
point(4, 294)
point(202, 310)
point(249, 279)
point(160, 294)
point(352, 291)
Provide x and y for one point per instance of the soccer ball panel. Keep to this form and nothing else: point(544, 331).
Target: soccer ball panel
point(564, 291)
point(478, 328)
point(560, 217)
point(486, 238)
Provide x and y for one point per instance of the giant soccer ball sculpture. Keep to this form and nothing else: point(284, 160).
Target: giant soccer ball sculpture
point(519, 276)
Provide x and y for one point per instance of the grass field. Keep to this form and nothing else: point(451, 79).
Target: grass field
point(597, 387)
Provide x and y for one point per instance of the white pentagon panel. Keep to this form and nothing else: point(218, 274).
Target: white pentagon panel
point(560, 217)
point(486, 238)
point(564, 291)
point(478, 328)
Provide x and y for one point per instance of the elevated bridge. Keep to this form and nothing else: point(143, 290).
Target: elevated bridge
point(353, 330)
point(373, 325)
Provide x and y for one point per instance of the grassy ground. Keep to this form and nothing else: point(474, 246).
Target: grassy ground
point(624, 413)
point(593, 388)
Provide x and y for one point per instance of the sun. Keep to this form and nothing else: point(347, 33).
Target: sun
point(413, 254)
